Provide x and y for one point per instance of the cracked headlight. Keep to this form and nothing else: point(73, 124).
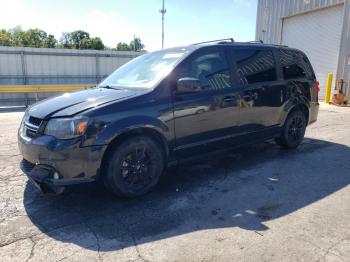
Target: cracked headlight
point(66, 128)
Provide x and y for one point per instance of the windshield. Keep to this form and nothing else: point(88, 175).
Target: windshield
point(144, 71)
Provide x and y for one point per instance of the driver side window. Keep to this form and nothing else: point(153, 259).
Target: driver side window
point(211, 69)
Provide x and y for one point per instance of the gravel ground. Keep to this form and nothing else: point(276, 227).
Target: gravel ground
point(256, 203)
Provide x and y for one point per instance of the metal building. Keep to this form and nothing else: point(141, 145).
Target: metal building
point(320, 28)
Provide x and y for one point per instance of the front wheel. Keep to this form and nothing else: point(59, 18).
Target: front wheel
point(293, 131)
point(134, 167)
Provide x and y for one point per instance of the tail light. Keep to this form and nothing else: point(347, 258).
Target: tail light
point(317, 87)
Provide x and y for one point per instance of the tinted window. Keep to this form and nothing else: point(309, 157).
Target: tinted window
point(295, 65)
point(211, 69)
point(255, 66)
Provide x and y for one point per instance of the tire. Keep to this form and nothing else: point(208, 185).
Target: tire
point(293, 131)
point(134, 167)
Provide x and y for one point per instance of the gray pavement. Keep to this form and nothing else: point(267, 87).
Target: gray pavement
point(256, 203)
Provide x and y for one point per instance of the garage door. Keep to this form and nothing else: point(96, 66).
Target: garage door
point(318, 34)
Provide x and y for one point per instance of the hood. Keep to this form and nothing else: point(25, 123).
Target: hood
point(70, 104)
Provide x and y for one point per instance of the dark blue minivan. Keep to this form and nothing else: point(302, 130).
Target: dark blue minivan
point(165, 106)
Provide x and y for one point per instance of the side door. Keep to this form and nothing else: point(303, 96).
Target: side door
point(262, 95)
point(209, 117)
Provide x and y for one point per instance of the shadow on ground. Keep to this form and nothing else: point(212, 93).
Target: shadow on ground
point(239, 188)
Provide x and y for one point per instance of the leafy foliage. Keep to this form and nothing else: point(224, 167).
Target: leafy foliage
point(81, 40)
point(135, 45)
point(30, 38)
point(6, 38)
point(78, 39)
point(123, 47)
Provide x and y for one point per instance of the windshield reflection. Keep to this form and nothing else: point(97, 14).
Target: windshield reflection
point(144, 71)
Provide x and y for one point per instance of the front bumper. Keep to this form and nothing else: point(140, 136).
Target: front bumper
point(42, 177)
point(44, 156)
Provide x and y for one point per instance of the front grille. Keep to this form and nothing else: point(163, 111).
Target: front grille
point(35, 121)
point(32, 126)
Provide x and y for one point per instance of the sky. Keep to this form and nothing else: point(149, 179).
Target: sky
point(186, 21)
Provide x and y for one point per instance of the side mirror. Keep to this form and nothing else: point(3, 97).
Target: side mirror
point(188, 85)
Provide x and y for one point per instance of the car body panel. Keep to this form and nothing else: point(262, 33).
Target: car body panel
point(70, 104)
point(66, 156)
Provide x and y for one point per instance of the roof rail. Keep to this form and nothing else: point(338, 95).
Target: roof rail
point(256, 41)
point(262, 42)
point(214, 41)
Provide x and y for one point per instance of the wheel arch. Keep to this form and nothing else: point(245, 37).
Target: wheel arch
point(137, 131)
point(296, 107)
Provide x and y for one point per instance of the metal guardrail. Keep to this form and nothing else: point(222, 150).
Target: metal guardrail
point(41, 88)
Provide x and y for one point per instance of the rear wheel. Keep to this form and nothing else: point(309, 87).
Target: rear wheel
point(134, 167)
point(293, 130)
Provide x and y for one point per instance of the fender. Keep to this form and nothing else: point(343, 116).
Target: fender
point(111, 131)
point(292, 103)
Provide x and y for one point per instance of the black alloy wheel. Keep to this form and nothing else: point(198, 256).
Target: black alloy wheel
point(296, 128)
point(134, 167)
point(293, 131)
point(137, 168)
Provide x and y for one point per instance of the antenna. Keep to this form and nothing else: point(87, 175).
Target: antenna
point(162, 11)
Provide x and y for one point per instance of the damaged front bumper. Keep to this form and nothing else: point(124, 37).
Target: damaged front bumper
point(52, 164)
point(47, 179)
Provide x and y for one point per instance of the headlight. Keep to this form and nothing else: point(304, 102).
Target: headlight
point(66, 128)
point(24, 119)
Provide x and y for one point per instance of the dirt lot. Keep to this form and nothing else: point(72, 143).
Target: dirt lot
point(257, 203)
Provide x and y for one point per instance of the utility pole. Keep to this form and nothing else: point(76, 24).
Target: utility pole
point(134, 43)
point(163, 11)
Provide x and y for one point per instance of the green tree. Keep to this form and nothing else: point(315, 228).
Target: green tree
point(17, 35)
point(92, 43)
point(30, 38)
point(34, 38)
point(66, 41)
point(6, 38)
point(97, 44)
point(137, 45)
point(121, 46)
point(78, 39)
point(51, 42)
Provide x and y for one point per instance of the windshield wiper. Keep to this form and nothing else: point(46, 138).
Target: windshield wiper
point(109, 87)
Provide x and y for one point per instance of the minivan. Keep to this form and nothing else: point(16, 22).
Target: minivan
point(165, 106)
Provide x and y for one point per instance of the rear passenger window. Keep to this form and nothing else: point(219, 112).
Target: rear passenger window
point(254, 66)
point(211, 69)
point(295, 65)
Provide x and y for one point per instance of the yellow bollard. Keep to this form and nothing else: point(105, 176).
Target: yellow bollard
point(329, 88)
